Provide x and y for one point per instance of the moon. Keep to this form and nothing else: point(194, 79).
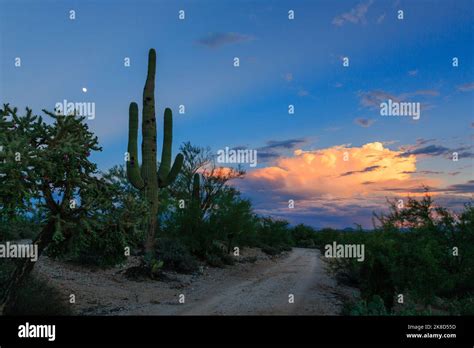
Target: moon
point(84, 89)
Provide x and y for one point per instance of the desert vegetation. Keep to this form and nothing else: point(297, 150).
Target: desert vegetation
point(182, 215)
point(422, 251)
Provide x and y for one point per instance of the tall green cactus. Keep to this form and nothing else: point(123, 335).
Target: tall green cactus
point(148, 178)
point(195, 215)
point(196, 189)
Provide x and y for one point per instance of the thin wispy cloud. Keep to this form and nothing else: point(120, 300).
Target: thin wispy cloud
point(364, 122)
point(428, 92)
point(303, 93)
point(467, 187)
point(424, 172)
point(355, 16)
point(430, 150)
point(373, 99)
point(288, 77)
point(422, 141)
point(380, 18)
point(275, 148)
point(439, 150)
point(285, 144)
point(215, 40)
point(466, 87)
point(365, 170)
point(464, 188)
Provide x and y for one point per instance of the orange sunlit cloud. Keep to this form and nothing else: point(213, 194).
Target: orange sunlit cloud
point(218, 172)
point(369, 170)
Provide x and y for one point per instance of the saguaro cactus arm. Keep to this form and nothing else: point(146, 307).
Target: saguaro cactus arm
point(165, 164)
point(133, 167)
point(166, 173)
point(173, 173)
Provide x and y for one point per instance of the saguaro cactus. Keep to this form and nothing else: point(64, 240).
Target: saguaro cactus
point(196, 189)
point(148, 178)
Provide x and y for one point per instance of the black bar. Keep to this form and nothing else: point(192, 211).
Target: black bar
point(240, 330)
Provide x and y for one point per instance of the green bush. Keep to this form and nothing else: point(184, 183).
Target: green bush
point(375, 306)
point(103, 248)
point(6, 268)
point(35, 297)
point(274, 236)
point(303, 236)
point(463, 306)
point(38, 297)
point(214, 260)
point(412, 252)
point(19, 227)
point(102, 239)
point(270, 250)
point(217, 256)
point(175, 256)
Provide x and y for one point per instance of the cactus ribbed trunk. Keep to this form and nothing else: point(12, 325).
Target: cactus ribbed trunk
point(149, 179)
point(149, 168)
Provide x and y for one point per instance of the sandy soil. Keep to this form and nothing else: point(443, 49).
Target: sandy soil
point(262, 287)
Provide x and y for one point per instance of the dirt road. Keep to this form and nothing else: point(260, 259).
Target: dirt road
point(264, 287)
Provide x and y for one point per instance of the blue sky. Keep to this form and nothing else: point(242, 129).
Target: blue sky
point(282, 62)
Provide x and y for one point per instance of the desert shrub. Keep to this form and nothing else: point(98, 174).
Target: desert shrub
point(374, 306)
point(18, 227)
point(303, 236)
point(212, 235)
point(217, 256)
point(101, 240)
point(325, 236)
point(101, 248)
point(306, 243)
point(412, 252)
point(101, 245)
point(35, 297)
point(274, 236)
point(38, 297)
point(228, 259)
point(175, 256)
point(270, 250)
point(189, 228)
point(275, 250)
point(6, 268)
point(214, 260)
point(463, 306)
point(234, 222)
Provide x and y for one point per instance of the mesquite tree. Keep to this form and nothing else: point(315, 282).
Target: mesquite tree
point(211, 179)
point(199, 185)
point(148, 178)
point(46, 165)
